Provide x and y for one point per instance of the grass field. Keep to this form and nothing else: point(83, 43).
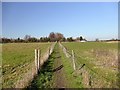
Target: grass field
point(17, 59)
point(100, 70)
point(100, 59)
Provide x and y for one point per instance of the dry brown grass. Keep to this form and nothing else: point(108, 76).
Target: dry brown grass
point(113, 42)
point(106, 58)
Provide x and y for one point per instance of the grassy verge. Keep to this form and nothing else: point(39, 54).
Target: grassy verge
point(45, 76)
point(73, 80)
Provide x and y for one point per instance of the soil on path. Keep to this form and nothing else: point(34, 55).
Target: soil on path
point(59, 76)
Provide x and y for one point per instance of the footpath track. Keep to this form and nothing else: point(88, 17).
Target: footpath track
point(59, 76)
point(52, 73)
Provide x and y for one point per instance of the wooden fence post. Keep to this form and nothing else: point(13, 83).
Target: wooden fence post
point(73, 58)
point(40, 58)
point(36, 60)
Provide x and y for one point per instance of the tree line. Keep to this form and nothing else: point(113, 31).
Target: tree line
point(53, 37)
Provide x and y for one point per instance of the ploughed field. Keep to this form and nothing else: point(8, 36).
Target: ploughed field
point(18, 59)
point(99, 60)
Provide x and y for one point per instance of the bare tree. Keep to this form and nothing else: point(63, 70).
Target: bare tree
point(59, 36)
point(52, 36)
point(55, 36)
point(27, 37)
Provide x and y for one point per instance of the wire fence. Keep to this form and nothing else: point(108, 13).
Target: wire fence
point(90, 77)
point(26, 78)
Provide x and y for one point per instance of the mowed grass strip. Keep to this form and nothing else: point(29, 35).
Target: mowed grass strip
point(100, 57)
point(17, 59)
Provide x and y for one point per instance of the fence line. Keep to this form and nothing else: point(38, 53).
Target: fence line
point(90, 77)
point(95, 79)
point(35, 67)
point(68, 55)
point(65, 51)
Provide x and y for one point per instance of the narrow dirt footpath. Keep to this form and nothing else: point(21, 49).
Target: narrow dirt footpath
point(59, 76)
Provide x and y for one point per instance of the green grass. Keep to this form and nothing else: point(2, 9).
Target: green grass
point(93, 55)
point(17, 59)
point(44, 78)
point(73, 81)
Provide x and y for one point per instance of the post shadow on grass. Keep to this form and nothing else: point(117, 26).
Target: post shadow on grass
point(45, 74)
point(54, 56)
point(82, 66)
point(58, 68)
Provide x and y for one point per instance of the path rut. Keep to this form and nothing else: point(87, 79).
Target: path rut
point(59, 76)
